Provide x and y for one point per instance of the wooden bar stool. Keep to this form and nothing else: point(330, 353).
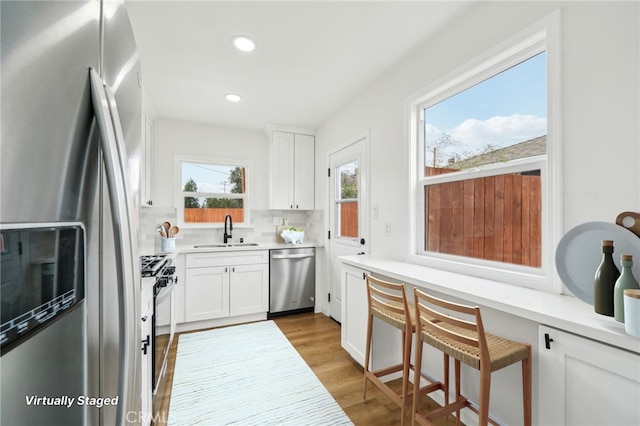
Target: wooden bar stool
point(457, 331)
point(388, 302)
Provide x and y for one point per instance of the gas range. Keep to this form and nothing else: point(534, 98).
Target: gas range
point(159, 270)
point(153, 265)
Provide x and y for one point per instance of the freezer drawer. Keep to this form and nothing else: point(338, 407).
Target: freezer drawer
point(292, 280)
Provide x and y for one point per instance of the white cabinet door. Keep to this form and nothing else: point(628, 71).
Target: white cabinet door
point(354, 312)
point(583, 382)
point(304, 167)
point(207, 293)
point(282, 170)
point(292, 171)
point(249, 289)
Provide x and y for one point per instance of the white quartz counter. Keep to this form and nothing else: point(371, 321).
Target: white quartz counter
point(202, 247)
point(235, 246)
point(559, 311)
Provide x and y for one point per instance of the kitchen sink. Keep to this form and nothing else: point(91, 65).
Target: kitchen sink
point(226, 245)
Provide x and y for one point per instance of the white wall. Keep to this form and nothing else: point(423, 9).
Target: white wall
point(173, 138)
point(601, 91)
point(601, 131)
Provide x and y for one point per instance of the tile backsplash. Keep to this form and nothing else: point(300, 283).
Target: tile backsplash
point(260, 230)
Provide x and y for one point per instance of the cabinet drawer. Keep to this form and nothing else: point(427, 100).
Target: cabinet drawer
point(226, 258)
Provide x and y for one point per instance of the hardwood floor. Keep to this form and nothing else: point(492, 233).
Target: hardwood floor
point(317, 339)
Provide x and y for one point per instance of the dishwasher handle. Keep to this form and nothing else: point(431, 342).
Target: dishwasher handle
point(292, 256)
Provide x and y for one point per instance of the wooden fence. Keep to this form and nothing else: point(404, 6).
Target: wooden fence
point(212, 215)
point(349, 219)
point(493, 218)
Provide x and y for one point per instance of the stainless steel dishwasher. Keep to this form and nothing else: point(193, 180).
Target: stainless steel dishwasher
point(292, 280)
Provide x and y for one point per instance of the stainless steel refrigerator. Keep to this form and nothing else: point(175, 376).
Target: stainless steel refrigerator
point(70, 154)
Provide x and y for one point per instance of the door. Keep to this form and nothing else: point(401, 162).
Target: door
point(348, 225)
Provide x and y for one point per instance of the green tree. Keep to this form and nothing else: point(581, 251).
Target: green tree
point(191, 202)
point(236, 177)
point(349, 184)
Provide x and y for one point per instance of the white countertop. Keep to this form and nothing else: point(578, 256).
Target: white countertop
point(182, 247)
point(559, 311)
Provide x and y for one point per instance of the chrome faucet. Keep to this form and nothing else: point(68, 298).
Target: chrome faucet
point(227, 235)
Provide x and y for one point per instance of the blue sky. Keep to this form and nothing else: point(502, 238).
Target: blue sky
point(508, 108)
point(209, 178)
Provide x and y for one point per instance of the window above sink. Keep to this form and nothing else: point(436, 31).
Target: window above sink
point(208, 190)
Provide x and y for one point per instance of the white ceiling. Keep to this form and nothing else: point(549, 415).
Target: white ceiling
point(312, 57)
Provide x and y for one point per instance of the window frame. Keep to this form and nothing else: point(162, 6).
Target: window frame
point(542, 36)
point(338, 201)
point(179, 193)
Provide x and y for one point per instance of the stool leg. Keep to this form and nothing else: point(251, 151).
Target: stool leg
point(526, 388)
point(458, 393)
point(445, 366)
point(485, 388)
point(366, 354)
point(417, 368)
point(406, 362)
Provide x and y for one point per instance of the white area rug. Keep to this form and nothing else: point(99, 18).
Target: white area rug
point(247, 375)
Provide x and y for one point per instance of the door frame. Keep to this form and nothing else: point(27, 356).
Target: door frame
point(363, 203)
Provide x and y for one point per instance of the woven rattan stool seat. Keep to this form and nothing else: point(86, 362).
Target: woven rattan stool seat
point(392, 317)
point(502, 352)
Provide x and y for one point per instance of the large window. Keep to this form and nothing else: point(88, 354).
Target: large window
point(477, 209)
point(482, 142)
point(211, 191)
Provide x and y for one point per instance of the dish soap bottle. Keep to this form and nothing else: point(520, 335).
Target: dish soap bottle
point(625, 281)
point(605, 280)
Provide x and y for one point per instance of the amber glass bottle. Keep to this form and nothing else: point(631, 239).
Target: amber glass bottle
point(605, 281)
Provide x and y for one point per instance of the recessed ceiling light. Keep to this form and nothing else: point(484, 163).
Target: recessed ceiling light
point(244, 43)
point(232, 97)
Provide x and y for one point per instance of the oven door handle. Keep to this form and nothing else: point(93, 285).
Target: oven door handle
point(165, 292)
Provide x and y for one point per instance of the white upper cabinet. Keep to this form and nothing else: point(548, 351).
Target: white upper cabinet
point(146, 166)
point(292, 168)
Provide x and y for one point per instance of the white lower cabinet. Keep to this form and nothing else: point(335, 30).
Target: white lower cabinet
point(583, 382)
point(249, 289)
point(207, 293)
point(224, 284)
point(386, 347)
point(354, 312)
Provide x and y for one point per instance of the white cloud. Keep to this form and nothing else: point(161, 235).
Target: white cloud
point(499, 130)
point(472, 136)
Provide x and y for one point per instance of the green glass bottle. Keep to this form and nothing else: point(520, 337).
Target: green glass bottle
point(605, 281)
point(625, 281)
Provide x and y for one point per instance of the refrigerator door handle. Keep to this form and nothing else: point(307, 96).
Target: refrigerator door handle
point(112, 144)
